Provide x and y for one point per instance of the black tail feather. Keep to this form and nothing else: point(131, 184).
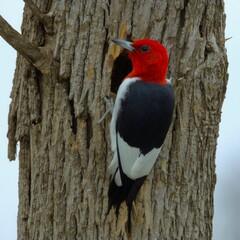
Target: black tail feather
point(132, 194)
point(118, 194)
point(127, 192)
point(135, 188)
point(115, 197)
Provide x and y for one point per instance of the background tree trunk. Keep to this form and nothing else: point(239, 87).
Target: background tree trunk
point(58, 98)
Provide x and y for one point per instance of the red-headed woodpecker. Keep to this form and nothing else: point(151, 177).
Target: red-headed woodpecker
point(141, 118)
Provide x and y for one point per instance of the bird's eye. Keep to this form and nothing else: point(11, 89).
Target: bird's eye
point(145, 48)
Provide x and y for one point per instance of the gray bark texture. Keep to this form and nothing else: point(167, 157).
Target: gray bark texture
point(58, 99)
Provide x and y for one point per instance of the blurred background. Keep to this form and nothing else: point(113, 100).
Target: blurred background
point(226, 224)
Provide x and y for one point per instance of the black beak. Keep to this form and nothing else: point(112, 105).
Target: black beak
point(124, 44)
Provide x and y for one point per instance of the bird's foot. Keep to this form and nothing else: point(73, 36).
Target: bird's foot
point(110, 105)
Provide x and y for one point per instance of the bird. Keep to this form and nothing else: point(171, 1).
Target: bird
point(141, 117)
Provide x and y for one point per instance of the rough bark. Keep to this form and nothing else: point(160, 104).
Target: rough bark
point(64, 151)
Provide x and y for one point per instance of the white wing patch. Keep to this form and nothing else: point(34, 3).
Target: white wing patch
point(128, 156)
point(134, 164)
point(144, 163)
point(123, 89)
point(120, 95)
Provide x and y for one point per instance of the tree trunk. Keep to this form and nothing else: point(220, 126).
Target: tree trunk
point(61, 78)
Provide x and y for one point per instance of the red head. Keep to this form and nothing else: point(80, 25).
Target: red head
point(149, 59)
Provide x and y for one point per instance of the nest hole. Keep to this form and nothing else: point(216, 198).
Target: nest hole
point(122, 66)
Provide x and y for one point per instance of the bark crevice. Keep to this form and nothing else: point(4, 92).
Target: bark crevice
point(45, 19)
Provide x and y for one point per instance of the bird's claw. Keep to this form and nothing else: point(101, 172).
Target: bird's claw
point(110, 105)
